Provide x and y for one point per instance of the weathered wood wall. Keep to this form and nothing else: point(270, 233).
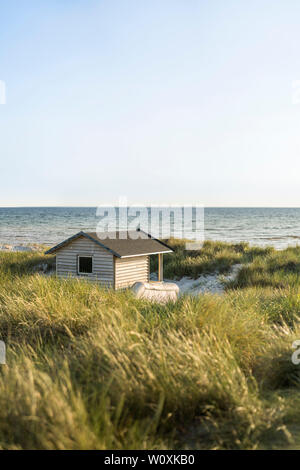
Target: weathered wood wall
point(103, 261)
point(130, 270)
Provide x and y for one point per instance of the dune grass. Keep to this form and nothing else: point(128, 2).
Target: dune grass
point(89, 368)
point(213, 257)
point(277, 269)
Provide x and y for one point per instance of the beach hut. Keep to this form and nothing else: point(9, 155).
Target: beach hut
point(115, 259)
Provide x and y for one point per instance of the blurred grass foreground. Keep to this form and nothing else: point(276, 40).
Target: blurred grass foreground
point(89, 368)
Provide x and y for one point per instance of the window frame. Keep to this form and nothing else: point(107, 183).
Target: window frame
point(78, 265)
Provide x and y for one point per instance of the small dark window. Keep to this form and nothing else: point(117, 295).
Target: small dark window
point(85, 264)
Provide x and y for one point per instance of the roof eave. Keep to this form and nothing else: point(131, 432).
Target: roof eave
point(62, 244)
point(148, 254)
point(74, 237)
point(114, 253)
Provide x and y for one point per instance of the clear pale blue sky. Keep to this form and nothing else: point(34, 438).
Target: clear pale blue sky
point(157, 100)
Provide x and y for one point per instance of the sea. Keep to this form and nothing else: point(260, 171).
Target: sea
point(277, 227)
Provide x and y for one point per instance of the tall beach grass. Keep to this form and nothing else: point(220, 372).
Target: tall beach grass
point(90, 368)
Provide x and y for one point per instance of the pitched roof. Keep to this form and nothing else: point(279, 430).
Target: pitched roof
point(122, 244)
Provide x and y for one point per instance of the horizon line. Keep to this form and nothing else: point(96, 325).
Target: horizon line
point(147, 205)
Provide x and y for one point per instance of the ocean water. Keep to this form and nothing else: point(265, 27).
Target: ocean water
point(50, 225)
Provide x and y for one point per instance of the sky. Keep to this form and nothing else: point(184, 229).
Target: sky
point(161, 101)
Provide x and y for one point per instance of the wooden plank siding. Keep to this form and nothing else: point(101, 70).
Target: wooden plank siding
point(130, 270)
point(103, 263)
point(108, 270)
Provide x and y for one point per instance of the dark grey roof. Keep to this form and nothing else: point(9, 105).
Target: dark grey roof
point(121, 244)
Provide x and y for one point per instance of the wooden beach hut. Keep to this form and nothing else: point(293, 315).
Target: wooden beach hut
point(115, 259)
